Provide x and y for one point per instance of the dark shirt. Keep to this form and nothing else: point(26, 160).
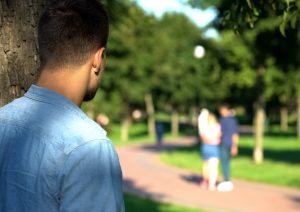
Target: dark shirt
point(229, 127)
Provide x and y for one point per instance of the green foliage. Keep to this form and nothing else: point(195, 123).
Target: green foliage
point(137, 134)
point(134, 203)
point(236, 14)
point(173, 67)
point(260, 59)
point(148, 55)
point(129, 56)
point(129, 60)
point(115, 8)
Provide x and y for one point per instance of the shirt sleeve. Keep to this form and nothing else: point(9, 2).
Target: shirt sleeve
point(91, 179)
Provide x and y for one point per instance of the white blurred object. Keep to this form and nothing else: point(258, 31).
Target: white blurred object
point(203, 120)
point(137, 114)
point(225, 186)
point(102, 119)
point(199, 52)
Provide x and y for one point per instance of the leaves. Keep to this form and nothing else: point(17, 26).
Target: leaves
point(250, 4)
point(239, 15)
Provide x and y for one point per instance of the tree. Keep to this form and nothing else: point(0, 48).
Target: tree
point(130, 53)
point(19, 59)
point(174, 65)
point(237, 15)
point(263, 42)
point(18, 46)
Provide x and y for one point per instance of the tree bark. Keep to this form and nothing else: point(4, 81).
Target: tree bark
point(175, 123)
point(150, 114)
point(18, 46)
point(259, 135)
point(284, 118)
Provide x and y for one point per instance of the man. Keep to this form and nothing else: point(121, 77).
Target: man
point(228, 146)
point(52, 156)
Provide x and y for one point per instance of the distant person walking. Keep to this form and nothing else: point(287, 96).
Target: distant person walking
point(159, 133)
point(228, 146)
point(210, 136)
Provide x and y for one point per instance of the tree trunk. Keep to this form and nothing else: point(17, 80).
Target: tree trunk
point(284, 118)
point(151, 115)
point(125, 125)
point(259, 120)
point(259, 135)
point(18, 46)
point(298, 115)
point(175, 123)
point(194, 116)
point(125, 129)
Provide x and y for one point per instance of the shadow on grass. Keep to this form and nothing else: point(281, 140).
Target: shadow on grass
point(277, 132)
point(135, 203)
point(138, 199)
point(286, 156)
point(139, 134)
point(281, 134)
point(130, 186)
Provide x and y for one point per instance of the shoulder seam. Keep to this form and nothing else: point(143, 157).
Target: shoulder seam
point(72, 147)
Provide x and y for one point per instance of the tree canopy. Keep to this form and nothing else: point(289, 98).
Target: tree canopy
point(237, 14)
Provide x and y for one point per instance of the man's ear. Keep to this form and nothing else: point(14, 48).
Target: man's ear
point(98, 59)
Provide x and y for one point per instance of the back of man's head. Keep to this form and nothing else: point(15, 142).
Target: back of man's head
point(224, 109)
point(70, 31)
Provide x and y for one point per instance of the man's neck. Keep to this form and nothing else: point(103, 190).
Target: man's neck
point(63, 82)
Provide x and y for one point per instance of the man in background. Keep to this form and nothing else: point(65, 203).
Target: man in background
point(228, 146)
point(52, 156)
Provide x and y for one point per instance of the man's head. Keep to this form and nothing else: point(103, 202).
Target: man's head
point(224, 110)
point(71, 34)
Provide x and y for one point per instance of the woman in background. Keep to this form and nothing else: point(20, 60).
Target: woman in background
point(210, 134)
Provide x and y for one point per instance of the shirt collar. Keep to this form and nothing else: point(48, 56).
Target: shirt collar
point(45, 95)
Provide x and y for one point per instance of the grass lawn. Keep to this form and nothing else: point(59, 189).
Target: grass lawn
point(138, 133)
point(280, 167)
point(137, 204)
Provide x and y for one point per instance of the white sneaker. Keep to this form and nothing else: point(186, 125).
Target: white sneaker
point(225, 186)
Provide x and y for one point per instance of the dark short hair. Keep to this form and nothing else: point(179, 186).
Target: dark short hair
point(69, 31)
point(225, 105)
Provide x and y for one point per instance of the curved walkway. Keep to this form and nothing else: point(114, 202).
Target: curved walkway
point(145, 175)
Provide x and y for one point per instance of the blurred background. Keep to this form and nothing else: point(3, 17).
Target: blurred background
point(168, 59)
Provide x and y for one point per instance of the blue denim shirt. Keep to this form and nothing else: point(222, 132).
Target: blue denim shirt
point(54, 158)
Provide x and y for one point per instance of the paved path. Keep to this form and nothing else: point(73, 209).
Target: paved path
point(145, 175)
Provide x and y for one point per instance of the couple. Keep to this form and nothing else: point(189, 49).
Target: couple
point(219, 141)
